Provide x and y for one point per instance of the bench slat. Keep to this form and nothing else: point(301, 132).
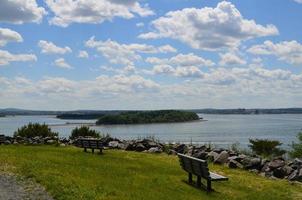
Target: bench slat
point(217, 177)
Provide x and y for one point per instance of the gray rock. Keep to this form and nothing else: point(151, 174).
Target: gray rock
point(200, 155)
point(50, 141)
point(274, 164)
point(279, 172)
point(182, 148)
point(222, 158)
point(139, 147)
point(155, 150)
point(233, 164)
point(251, 163)
point(62, 145)
point(113, 144)
point(212, 156)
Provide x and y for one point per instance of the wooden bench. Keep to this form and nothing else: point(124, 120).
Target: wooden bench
point(89, 144)
point(2, 139)
point(200, 169)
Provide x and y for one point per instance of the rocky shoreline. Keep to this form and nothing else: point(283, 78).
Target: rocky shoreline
point(275, 168)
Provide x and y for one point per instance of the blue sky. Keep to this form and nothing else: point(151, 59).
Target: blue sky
point(160, 54)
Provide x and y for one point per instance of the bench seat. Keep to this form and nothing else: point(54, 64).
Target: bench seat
point(89, 144)
point(217, 177)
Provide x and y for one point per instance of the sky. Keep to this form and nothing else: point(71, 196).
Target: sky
point(159, 54)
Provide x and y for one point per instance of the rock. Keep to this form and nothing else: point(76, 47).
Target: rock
point(287, 170)
point(200, 155)
point(113, 144)
point(256, 171)
point(182, 148)
point(222, 158)
point(139, 147)
point(274, 164)
point(172, 152)
point(218, 150)
point(62, 145)
point(296, 175)
point(50, 141)
point(251, 163)
point(279, 173)
point(212, 156)
point(155, 150)
point(233, 164)
point(7, 142)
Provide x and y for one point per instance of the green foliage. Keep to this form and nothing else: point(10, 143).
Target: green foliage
point(35, 129)
point(297, 148)
point(266, 147)
point(84, 131)
point(143, 117)
point(68, 173)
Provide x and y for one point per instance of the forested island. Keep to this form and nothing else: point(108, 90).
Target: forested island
point(79, 116)
point(146, 117)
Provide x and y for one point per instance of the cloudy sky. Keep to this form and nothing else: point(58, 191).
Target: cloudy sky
point(132, 54)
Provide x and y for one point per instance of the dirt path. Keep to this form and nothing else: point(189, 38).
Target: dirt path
point(12, 188)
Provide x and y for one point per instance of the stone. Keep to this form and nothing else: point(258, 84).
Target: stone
point(139, 147)
point(181, 148)
point(50, 141)
point(293, 176)
point(222, 158)
point(155, 150)
point(218, 150)
point(113, 144)
point(274, 164)
point(251, 163)
point(279, 173)
point(62, 145)
point(233, 164)
point(200, 155)
point(212, 156)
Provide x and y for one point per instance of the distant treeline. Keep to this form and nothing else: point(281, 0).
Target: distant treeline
point(2, 115)
point(250, 111)
point(80, 116)
point(145, 117)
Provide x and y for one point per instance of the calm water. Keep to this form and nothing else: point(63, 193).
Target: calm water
point(221, 130)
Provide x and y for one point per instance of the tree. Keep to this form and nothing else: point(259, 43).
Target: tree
point(35, 130)
point(266, 147)
point(297, 147)
point(84, 131)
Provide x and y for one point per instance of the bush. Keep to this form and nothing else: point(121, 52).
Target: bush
point(266, 147)
point(84, 131)
point(297, 148)
point(35, 129)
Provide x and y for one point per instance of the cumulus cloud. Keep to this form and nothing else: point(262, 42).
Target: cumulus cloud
point(182, 60)
point(51, 48)
point(288, 51)
point(231, 58)
point(8, 35)
point(208, 28)
point(60, 62)
point(21, 11)
point(6, 57)
point(298, 1)
point(67, 12)
point(83, 54)
point(125, 54)
point(219, 86)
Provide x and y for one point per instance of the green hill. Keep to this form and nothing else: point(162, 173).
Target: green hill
point(69, 173)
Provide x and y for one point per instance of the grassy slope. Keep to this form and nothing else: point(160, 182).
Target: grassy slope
point(68, 173)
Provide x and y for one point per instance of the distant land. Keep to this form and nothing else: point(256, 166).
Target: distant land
point(147, 117)
point(95, 114)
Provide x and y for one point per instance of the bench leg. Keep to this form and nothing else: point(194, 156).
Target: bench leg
point(209, 186)
point(101, 151)
point(92, 150)
point(198, 181)
point(190, 178)
point(85, 149)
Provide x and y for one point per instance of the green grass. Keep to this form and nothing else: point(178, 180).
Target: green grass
point(69, 173)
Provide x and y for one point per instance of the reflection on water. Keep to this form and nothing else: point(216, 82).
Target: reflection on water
point(218, 129)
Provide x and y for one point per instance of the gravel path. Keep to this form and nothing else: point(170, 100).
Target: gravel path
point(12, 188)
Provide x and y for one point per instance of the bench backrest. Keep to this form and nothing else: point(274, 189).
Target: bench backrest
point(2, 139)
point(195, 166)
point(89, 143)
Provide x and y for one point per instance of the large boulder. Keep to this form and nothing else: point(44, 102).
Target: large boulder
point(222, 158)
point(296, 175)
point(235, 164)
point(113, 144)
point(212, 156)
point(155, 150)
point(276, 163)
point(181, 148)
point(139, 147)
point(251, 163)
point(201, 155)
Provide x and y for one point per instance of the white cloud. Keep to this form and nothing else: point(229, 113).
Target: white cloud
point(182, 60)
point(298, 1)
point(288, 51)
point(7, 57)
point(140, 24)
point(51, 48)
point(83, 54)
point(125, 54)
point(8, 35)
point(60, 62)
point(231, 58)
point(21, 11)
point(209, 28)
point(67, 12)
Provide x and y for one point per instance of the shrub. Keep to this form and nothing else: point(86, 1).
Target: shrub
point(266, 147)
point(34, 130)
point(297, 148)
point(84, 131)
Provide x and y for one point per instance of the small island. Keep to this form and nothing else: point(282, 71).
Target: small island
point(147, 117)
point(79, 116)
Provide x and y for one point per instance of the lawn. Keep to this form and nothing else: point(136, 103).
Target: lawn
point(69, 173)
